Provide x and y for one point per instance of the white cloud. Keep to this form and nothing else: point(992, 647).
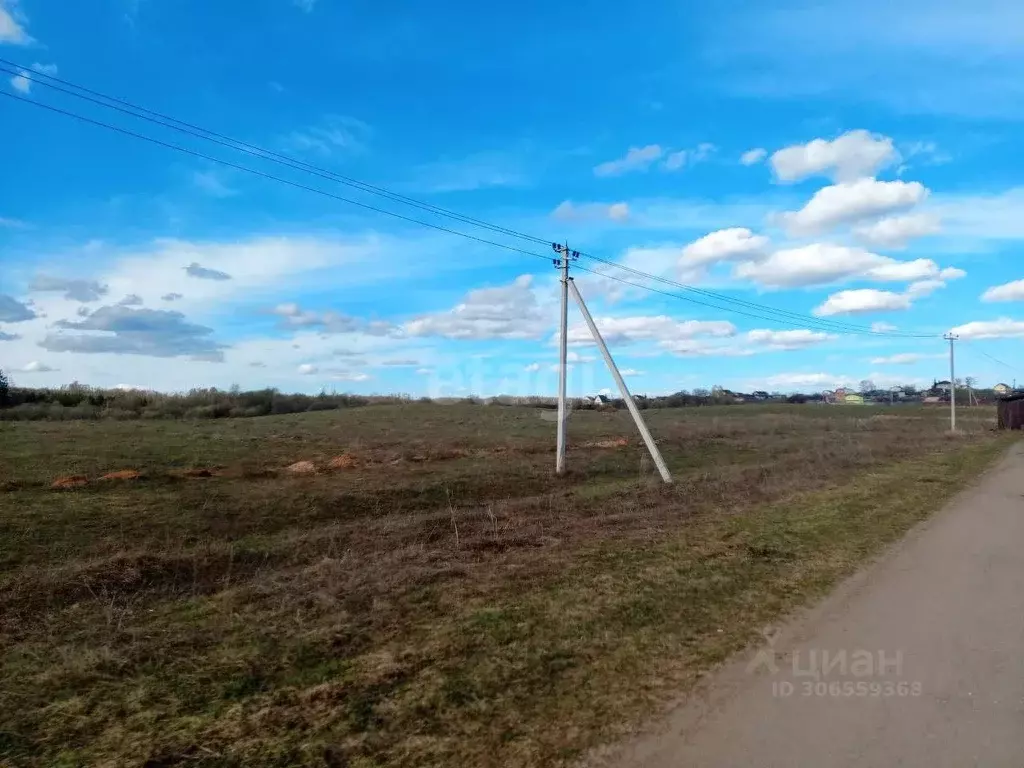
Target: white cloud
point(333, 133)
point(349, 376)
point(37, 367)
point(631, 372)
point(13, 311)
point(265, 270)
point(754, 342)
point(849, 202)
point(307, 369)
point(896, 231)
point(853, 155)
point(786, 340)
point(724, 245)
point(305, 5)
point(824, 263)
point(293, 316)
point(506, 312)
point(211, 183)
point(883, 327)
point(22, 82)
point(675, 160)
point(532, 367)
point(698, 348)
point(753, 156)
point(73, 289)
point(786, 380)
point(200, 272)
point(622, 330)
point(903, 358)
point(636, 159)
point(1013, 291)
point(479, 170)
point(703, 151)
point(922, 288)
point(123, 330)
point(569, 211)
point(815, 264)
point(1003, 328)
point(12, 30)
point(862, 300)
point(575, 357)
point(903, 271)
point(952, 273)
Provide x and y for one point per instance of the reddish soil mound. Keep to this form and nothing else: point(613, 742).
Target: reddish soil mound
point(345, 461)
point(302, 468)
point(620, 442)
point(72, 481)
point(122, 474)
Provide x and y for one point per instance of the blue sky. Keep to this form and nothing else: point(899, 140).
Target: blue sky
point(851, 162)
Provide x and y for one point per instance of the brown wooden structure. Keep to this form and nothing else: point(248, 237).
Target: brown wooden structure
point(1011, 412)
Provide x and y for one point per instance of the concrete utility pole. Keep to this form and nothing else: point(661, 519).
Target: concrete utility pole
point(633, 410)
point(562, 263)
point(951, 337)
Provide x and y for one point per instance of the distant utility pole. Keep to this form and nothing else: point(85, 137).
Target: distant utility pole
point(565, 256)
point(951, 337)
point(562, 262)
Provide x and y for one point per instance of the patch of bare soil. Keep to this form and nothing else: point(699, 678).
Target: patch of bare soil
point(301, 468)
point(619, 442)
point(122, 474)
point(69, 482)
point(345, 461)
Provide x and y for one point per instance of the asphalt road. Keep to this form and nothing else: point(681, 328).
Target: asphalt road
point(917, 661)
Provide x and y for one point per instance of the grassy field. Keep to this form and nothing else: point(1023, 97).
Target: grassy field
point(436, 598)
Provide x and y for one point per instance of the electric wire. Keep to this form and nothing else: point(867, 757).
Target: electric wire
point(990, 357)
point(128, 108)
point(270, 176)
point(773, 314)
point(836, 326)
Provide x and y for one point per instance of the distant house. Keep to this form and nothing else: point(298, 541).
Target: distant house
point(941, 386)
point(853, 398)
point(600, 400)
point(1001, 389)
point(932, 400)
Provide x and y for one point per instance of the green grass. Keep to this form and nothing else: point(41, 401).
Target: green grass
point(447, 602)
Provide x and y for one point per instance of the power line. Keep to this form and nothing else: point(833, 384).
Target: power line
point(128, 108)
point(773, 314)
point(836, 326)
point(993, 359)
point(691, 300)
point(269, 176)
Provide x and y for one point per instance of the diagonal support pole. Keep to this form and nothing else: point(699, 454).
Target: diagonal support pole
point(633, 410)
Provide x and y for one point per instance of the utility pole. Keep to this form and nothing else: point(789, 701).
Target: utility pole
point(562, 262)
point(951, 337)
point(633, 410)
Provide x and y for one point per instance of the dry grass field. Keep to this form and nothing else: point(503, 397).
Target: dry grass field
point(425, 592)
